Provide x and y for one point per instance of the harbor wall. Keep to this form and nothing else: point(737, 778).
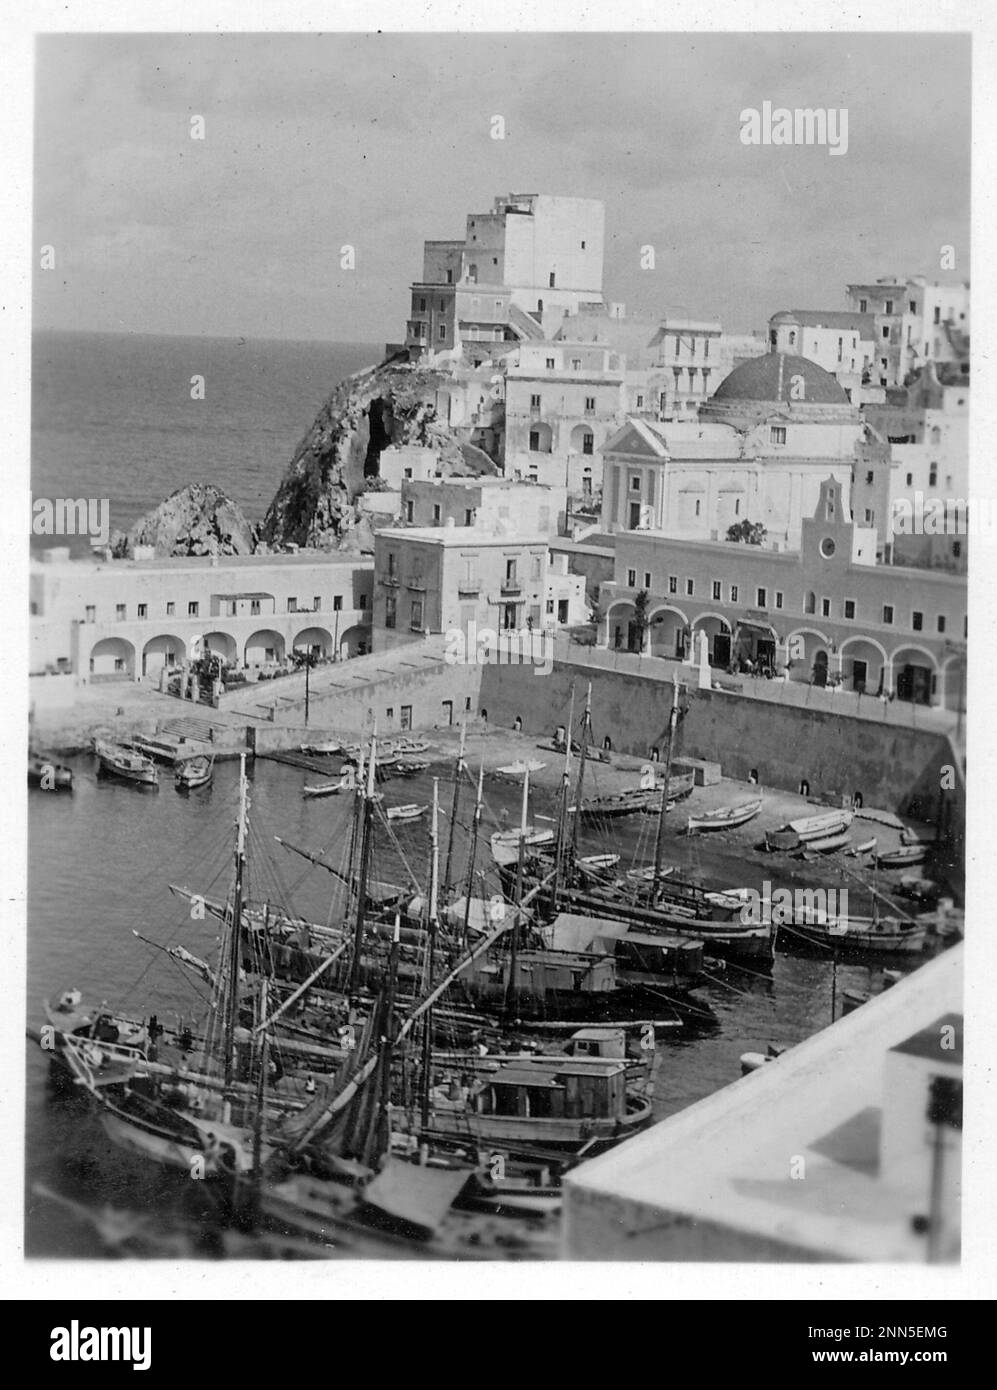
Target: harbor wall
point(893, 768)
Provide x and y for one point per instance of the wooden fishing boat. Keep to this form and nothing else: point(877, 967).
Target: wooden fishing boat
point(597, 866)
point(409, 812)
point(193, 772)
point(505, 843)
point(50, 776)
point(550, 1102)
point(865, 847)
point(625, 803)
point(862, 935)
point(116, 761)
point(902, 857)
point(408, 747)
point(827, 844)
point(817, 827)
point(327, 788)
point(726, 818)
point(409, 767)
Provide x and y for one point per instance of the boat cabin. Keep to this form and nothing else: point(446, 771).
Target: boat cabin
point(590, 1088)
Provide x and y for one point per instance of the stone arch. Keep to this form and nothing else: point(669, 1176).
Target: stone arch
point(222, 644)
point(355, 641)
point(112, 658)
point(619, 616)
point(816, 653)
point(869, 651)
point(719, 635)
point(914, 682)
point(264, 646)
point(953, 682)
point(317, 640)
point(164, 650)
point(668, 626)
point(544, 435)
point(578, 436)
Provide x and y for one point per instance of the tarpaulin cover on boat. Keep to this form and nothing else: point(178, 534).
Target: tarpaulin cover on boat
point(418, 1196)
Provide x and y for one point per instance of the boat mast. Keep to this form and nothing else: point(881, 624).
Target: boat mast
point(235, 930)
point(562, 814)
point(510, 987)
point(586, 730)
point(659, 844)
point(366, 835)
point(454, 807)
point(431, 925)
point(469, 880)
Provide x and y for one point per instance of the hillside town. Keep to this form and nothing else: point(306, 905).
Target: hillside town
point(630, 608)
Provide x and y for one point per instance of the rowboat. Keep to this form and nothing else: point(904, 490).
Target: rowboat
point(816, 827)
point(826, 844)
point(597, 866)
point(726, 818)
point(866, 847)
point(116, 761)
point(329, 788)
point(409, 747)
point(193, 772)
point(411, 811)
point(505, 843)
point(56, 777)
point(326, 746)
point(408, 767)
point(900, 858)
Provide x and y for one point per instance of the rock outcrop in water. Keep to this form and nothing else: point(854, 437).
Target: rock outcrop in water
point(315, 504)
point(195, 520)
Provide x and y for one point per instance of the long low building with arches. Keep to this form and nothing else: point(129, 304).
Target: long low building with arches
point(105, 620)
point(826, 614)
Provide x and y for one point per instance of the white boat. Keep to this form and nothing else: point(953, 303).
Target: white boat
point(816, 827)
point(517, 769)
point(505, 843)
point(902, 857)
point(330, 788)
point(193, 772)
point(411, 811)
point(866, 847)
point(117, 761)
point(826, 844)
point(727, 817)
point(326, 746)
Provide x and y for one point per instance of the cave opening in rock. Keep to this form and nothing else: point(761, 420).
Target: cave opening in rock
point(379, 418)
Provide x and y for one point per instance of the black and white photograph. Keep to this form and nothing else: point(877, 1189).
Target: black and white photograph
point(496, 697)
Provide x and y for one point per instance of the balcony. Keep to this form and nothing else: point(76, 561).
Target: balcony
point(511, 586)
point(391, 580)
point(416, 582)
point(467, 588)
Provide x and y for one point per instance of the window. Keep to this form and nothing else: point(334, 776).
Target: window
point(640, 402)
point(409, 511)
point(825, 607)
point(510, 571)
point(941, 622)
point(912, 305)
point(910, 479)
point(863, 305)
point(590, 402)
point(733, 593)
point(317, 603)
point(587, 483)
point(717, 589)
point(938, 313)
point(777, 434)
point(337, 603)
point(933, 475)
point(390, 712)
point(551, 281)
point(810, 606)
point(120, 611)
point(761, 598)
point(647, 579)
point(690, 588)
point(631, 579)
point(635, 482)
point(869, 477)
point(534, 441)
point(422, 306)
point(868, 516)
point(886, 332)
point(550, 364)
point(849, 608)
point(416, 613)
point(443, 330)
point(887, 614)
point(534, 402)
point(917, 620)
point(437, 514)
point(390, 610)
point(535, 566)
point(956, 549)
point(673, 584)
point(888, 307)
point(778, 598)
point(699, 506)
point(588, 443)
point(91, 613)
point(406, 719)
point(143, 610)
point(192, 609)
point(550, 606)
point(469, 516)
point(583, 245)
point(292, 605)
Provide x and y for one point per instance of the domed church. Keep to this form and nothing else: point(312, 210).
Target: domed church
point(776, 428)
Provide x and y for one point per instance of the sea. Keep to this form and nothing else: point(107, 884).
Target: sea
point(113, 418)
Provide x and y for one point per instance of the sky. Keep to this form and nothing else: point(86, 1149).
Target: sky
point(381, 141)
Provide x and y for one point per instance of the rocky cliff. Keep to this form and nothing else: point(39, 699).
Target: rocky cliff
point(195, 520)
point(390, 404)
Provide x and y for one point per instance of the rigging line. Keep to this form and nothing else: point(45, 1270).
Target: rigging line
point(755, 974)
point(382, 816)
point(719, 980)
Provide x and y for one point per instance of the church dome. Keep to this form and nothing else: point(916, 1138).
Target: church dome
point(774, 378)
